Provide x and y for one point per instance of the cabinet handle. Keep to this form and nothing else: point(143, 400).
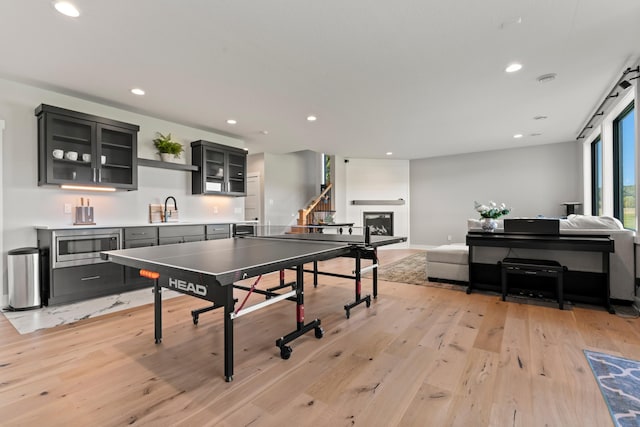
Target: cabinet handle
point(99, 175)
point(94, 175)
point(138, 234)
point(90, 278)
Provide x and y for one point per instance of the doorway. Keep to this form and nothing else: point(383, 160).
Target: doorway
point(253, 200)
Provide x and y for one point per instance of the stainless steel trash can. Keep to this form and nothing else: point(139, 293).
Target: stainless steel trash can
point(23, 268)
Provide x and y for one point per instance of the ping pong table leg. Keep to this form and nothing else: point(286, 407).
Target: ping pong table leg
point(315, 274)
point(228, 334)
point(157, 310)
point(301, 328)
point(375, 273)
point(359, 299)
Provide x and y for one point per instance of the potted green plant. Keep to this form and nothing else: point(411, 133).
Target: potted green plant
point(167, 147)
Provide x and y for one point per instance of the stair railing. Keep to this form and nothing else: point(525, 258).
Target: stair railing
point(318, 204)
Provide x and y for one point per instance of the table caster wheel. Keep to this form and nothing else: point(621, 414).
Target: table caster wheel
point(195, 320)
point(285, 352)
point(319, 332)
point(348, 313)
point(368, 303)
point(158, 340)
point(468, 291)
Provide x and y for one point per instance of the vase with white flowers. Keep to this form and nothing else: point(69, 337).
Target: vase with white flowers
point(489, 214)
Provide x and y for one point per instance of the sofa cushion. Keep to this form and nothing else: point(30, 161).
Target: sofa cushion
point(587, 222)
point(455, 253)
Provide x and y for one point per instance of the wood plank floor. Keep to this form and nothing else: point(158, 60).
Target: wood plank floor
point(419, 356)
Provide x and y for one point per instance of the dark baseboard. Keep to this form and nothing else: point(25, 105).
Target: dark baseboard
point(453, 282)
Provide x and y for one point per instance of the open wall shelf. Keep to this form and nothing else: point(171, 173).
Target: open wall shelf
point(166, 165)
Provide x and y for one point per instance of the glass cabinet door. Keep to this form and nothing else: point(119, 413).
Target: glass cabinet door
point(115, 156)
point(215, 171)
point(236, 173)
point(68, 149)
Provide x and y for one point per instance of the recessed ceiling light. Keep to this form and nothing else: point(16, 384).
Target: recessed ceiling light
point(512, 68)
point(67, 8)
point(540, 118)
point(264, 132)
point(231, 122)
point(312, 118)
point(546, 78)
point(137, 91)
point(389, 153)
point(536, 134)
point(517, 135)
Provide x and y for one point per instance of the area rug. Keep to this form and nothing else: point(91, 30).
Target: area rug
point(619, 382)
point(412, 270)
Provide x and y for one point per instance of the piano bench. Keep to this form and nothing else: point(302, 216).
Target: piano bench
point(533, 267)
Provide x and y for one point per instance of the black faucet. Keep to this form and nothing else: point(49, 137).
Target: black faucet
point(166, 212)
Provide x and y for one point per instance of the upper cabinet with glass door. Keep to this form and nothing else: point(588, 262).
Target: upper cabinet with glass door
point(81, 149)
point(221, 169)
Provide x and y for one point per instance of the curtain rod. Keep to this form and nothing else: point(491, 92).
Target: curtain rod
point(600, 111)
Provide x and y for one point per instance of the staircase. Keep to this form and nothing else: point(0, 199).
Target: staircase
point(322, 203)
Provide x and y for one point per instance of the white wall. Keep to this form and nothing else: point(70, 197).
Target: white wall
point(532, 181)
point(290, 182)
point(369, 179)
point(4, 300)
point(26, 205)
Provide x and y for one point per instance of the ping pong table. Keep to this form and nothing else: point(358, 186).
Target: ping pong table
point(209, 270)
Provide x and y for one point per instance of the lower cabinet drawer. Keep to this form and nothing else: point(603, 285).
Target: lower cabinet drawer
point(86, 281)
point(128, 244)
point(181, 230)
point(170, 240)
point(136, 233)
point(218, 231)
point(180, 239)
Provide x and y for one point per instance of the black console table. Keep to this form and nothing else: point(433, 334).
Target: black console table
point(581, 286)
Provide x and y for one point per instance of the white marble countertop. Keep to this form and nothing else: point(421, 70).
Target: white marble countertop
point(142, 224)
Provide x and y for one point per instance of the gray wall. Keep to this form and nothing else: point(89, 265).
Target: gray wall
point(290, 182)
point(531, 180)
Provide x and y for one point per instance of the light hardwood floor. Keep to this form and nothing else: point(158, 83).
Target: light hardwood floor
point(419, 356)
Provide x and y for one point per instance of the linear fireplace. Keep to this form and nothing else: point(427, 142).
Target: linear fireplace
point(381, 223)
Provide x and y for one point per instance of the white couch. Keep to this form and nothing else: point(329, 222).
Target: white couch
point(621, 262)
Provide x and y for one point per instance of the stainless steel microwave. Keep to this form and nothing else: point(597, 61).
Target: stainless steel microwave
point(83, 246)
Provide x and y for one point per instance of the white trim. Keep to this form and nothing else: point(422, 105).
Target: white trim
point(605, 131)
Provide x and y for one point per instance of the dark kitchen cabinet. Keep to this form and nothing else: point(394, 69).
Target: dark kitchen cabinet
point(168, 235)
point(218, 231)
point(83, 282)
point(138, 237)
point(221, 169)
point(106, 149)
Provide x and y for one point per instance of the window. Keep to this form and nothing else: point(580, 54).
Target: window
point(596, 176)
point(624, 178)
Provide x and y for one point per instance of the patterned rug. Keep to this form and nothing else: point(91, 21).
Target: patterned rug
point(413, 270)
point(619, 381)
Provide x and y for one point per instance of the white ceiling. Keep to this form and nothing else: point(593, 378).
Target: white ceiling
point(419, 78)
